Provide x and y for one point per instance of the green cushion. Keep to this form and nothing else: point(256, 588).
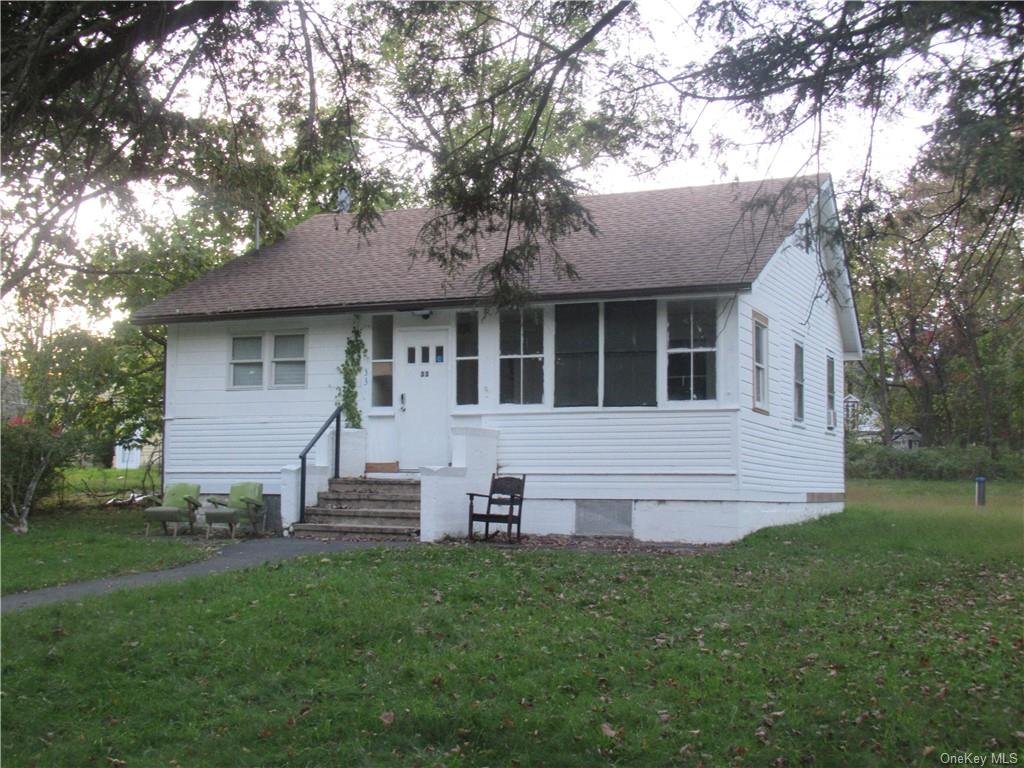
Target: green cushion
point(240, 491)
point(175, 493)
point(167, 514)
point(226, 515)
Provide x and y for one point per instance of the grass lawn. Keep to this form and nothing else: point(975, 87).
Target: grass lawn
point(70, 542)
point(884, 636)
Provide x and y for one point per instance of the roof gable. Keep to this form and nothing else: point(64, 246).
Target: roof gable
point(687, 239)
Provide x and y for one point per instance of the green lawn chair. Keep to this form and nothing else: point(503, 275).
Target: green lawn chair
point(243, 504)
point(179, 505)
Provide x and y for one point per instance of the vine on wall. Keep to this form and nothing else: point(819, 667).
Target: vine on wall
point(348, 394)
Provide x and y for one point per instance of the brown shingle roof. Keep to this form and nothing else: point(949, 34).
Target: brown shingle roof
point(686, 239)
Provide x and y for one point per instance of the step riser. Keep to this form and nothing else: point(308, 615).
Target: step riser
point(343, 501)
point(321, 530)
point(373, 521)
point(361, 491)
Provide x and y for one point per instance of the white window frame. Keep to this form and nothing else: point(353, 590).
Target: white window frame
point(232, 362)
point(457, 358)
point(274, 360)
point(522, 356)
point(830, 393)
point(373, 360)
point(760, 370)
point(691, 350)
point(799, 384)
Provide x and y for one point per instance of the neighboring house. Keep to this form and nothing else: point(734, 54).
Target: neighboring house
point(908, 439)
point(686, 387)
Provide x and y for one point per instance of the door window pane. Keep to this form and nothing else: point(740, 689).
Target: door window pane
point(466, 381)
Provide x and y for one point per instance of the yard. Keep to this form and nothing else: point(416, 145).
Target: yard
point(74, 539)
point(887, 635)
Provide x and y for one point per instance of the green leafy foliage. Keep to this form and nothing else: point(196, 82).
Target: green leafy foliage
point(30, 465)
point(879, 462)
point(348, 392)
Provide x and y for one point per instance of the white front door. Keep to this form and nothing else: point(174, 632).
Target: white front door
point(422, 358)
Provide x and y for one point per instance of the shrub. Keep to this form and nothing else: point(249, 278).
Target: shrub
point(30, 464)
point(878, 462)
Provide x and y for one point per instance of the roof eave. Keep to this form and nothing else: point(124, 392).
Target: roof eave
point(403, 306)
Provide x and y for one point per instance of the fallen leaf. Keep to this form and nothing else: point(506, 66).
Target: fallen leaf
point(387, 718)
point(608, 730)
point(266, 733)
point(664, 716)
point(927, 751)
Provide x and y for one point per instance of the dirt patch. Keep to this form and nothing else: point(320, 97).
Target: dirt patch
point(610, 544)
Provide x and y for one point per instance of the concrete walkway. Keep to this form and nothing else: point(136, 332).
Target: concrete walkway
point(244, 554)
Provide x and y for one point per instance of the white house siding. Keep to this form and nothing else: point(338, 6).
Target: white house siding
point(216, 435)
point(782, 459)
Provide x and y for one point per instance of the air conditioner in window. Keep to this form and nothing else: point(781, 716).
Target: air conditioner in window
point(831, 419)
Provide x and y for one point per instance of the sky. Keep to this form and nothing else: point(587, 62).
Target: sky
point(843, 151)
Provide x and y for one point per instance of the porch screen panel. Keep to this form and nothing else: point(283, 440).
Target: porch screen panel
point(630, 353)
point(576, 351)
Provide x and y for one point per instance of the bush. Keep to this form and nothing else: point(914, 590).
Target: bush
point(874, 461)
point(30, 452)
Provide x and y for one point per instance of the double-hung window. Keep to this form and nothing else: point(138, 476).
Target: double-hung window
point(467, 358)
point(692, 340)
point(382, 360)
point(289, 360)
point(830, 393)
point(521, 358)
point(760, 363)
point(798, 382)
point(247, 361)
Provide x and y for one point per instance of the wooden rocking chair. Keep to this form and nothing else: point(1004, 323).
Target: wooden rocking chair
point(504, 506)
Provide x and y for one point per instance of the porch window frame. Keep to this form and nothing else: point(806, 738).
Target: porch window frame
point(457, 358)
point(690, 350)
point(830, 393)
point(375, 407)
point(799, 382)
point(522, 356)
point(760, 404)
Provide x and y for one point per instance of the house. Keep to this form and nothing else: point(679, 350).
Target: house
point(685, 387)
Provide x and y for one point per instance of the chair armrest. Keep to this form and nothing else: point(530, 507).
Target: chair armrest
point(478, 495)
point(218, 501)
point(252, 502)
point(193, 502)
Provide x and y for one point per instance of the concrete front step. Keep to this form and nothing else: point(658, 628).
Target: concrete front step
point(363, 516)
point(369, 482)
point(336, 530)
point(364, 500)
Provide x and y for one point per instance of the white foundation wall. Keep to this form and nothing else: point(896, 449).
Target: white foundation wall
point(690, 521)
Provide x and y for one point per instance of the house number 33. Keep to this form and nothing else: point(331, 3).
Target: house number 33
point(424, 374)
